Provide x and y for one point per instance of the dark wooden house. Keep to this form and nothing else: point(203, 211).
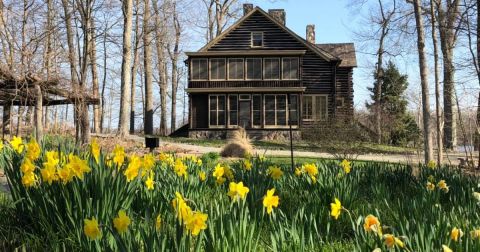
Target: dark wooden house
point(261, 76)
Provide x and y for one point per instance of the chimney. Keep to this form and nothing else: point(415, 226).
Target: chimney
point(247, 7)
point(278, 14)
point(310, 37)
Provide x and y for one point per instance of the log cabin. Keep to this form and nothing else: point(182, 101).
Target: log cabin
point(261, 76)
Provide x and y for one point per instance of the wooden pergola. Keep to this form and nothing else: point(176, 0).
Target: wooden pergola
point(32, 90)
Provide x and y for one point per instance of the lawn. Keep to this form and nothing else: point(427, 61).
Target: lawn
point(69, 198)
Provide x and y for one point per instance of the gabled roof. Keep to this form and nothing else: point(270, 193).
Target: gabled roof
point(321, 52)
point(343, 51)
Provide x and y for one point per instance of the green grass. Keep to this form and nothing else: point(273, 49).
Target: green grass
point(303, 145)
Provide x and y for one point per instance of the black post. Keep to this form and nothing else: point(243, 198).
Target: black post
point(289, 100)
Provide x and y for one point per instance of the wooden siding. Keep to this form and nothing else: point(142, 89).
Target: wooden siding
point(199, 111)
point(345, 91)
point(248, 83)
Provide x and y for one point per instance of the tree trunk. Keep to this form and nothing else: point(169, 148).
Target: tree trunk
point(104, 82)
point(134, 69)
point(126, 74)
point(162, 83)
point(93, 65)
point(147, 50)
point(174, 59)
point(38, 113)
point(438, 112)
point(428, 151)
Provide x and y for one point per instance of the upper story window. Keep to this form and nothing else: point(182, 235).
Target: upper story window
point(199, 69)
point(217, 69)
point(235, 69)
point(254, 68)
point(290, 68)
point(271, 69)
point(257, 39)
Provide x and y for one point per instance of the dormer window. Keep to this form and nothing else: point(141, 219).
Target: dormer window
point(257, 39)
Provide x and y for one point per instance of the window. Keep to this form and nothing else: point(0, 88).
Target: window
point(217, 69)
point(257, 110)
point(217, 110)
point(254, 68)
point(293, 109)
point(233, 110)
point(235, 69)
point(199, 69)
point(271, 69)
point(289, 68)
point(340, 102)
point(257, 39)
point(275, 110)
point(315, 107)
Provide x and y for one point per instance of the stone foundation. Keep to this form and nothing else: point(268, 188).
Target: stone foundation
point(253, 134)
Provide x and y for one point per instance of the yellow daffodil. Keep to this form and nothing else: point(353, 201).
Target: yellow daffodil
point(372, 224)
point(149, 183)
point(218, 171)
point(220, 181)
point(475, 234)
point(121, 222)
point(310, 169)
point(65, 174)
point(27, 166)
point(391, 241)
point(77, 165)
point(430, 186)
point(166, 158)
point(196, 222)
point(202, 176)
point(133, 168)
point(228, 172)
point(270, 201)
point(148, 162)
point(49, 174)
point(237, 191)
point(336, 209)
point(456, 234)
point(33, 150)
point(298, 172)
point(1, 145)
point(29, 179)
point(17, 144)
point(446, 248)
point(181, 207)
point(180, 168)
point(443, 185)
point(95, 150)
point(158, 222)
point(247, 164)
point(92, 229)
point(275, 172)
point(431, 164)
point(52, 159)
point(118, 155)
point(346, 165)
point(476, 195)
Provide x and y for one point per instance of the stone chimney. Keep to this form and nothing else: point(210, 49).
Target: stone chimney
point(247, 7)
point(278, 14)
point(310, 36)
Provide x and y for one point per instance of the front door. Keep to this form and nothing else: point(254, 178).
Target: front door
point(244, 114)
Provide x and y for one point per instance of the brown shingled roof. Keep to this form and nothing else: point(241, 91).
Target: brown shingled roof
point(344, 51)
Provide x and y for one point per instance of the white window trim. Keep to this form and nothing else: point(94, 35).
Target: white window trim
point(286, 112)
point(314, 108)
point(191, 70)
point(279, 66)
point(225, 111)
point(228, 68)
point(342, 99)
point(246, 68)
point(210, 66)
point(228, 111)
point(298, 67)
point(251, 39)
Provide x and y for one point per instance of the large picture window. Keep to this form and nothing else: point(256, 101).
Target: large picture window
point(315, 107)
point(254, 68)
point(293, 109)
point(235, 69)
point(271, 68)
point(199, 69)
point(233, 109)
point(217, 69)
point(257, 110)
point(217, 110)
point(289, 68)
point(275, 110)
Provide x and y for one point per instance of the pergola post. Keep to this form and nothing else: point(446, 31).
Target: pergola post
point(38, 113)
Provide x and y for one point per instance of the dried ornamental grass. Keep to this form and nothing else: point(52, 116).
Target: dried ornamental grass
point(238, 145)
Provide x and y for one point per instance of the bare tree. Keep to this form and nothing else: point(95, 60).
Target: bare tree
point(174, 54)
point(134, 67)
point(219, 13)
point(93, 67)
point(160, 34)
point(147, 50)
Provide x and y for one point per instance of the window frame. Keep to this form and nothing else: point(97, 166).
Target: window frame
point(314, 109)
point(191, 69)
point(229, 125)
point(279, 66)
point(298, 68)
point(251, 39)
point(260, 110)
point(210, 69)
point(287, 114)
point(228, 68)
point(217, 111)
point(261, 68)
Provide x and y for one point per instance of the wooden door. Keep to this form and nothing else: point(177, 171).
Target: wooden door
point(244, 117)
